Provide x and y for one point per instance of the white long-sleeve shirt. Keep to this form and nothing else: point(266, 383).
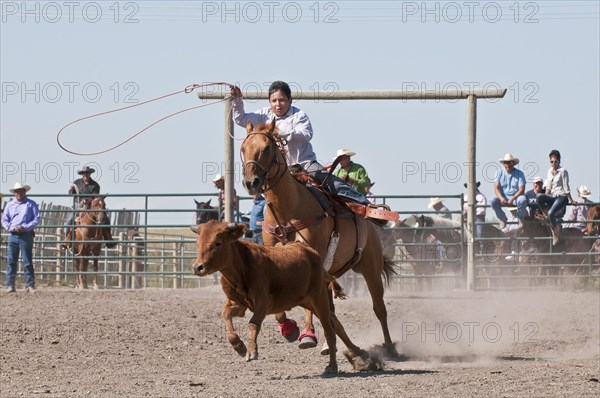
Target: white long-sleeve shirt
point(558, 182)
point(294, 126)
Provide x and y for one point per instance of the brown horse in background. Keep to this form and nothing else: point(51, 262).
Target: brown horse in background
point(88, 231)
point(593, 227)
point(566, 254)
point(298, 216)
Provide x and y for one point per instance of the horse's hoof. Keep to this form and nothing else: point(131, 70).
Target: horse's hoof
point(331, 370)
point(252, 356)
point(241, 350)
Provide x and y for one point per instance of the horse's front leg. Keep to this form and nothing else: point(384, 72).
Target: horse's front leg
point(84, 268)
point(78, 268)
point(231, 309)
point(95, 277)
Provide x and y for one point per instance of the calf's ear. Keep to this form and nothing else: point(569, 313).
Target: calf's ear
point(236, 230)
point(194, 228)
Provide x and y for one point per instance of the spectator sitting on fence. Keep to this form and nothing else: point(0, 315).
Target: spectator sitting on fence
point(509, 187)
point(531, 197)
point(579, 213)
point(85, 185)
point(19, 218)
point(441, 210)
point(557, 196)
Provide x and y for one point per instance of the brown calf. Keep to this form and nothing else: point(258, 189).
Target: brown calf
point(269, 280)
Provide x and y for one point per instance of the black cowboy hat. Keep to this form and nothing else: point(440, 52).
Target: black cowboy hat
point(477, 185)
point(86, 169)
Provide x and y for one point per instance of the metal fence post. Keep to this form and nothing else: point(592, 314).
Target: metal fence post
point(121, 250)
point(58, 260)
point(471, 188)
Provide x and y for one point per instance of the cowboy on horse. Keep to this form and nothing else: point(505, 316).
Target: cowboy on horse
point(295, 129)
point(86, 185)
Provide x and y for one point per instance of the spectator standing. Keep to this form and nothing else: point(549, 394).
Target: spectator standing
point(20, 217)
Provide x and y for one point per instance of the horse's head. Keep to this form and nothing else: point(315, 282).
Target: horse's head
point(205, 212)
point(260, 151)
point(97, 205)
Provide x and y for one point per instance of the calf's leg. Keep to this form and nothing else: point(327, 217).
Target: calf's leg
point(231, 309)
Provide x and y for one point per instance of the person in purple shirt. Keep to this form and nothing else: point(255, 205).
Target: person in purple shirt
point(19, 218)
point(509, 187)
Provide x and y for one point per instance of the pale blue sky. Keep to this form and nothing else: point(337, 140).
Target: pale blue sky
point(546, 55)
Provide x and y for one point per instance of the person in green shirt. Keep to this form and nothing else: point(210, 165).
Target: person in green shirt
point(353, 173)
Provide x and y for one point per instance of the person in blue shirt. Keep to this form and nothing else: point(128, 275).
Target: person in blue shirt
point(509, 187)
point(531, 196)
point(257, 216)
point(19, 218)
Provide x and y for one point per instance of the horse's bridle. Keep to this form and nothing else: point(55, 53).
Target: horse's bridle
point(277, 143)
point(86, 214)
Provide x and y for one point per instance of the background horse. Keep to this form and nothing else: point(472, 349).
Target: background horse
point(417, 248)
point(553, 257)
point(593, 227)
point(205, 212)
point(295, 214)
point(489, 248)
point(88, 231)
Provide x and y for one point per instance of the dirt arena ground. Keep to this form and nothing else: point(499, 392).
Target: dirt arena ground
point(171, 343)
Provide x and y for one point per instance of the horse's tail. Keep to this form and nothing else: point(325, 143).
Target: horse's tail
point(389, 270)
point(338, 291)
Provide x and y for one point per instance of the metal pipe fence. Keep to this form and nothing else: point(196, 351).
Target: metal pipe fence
point(152, 254)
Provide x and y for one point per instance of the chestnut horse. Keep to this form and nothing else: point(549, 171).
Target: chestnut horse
point(593, 227)
point(295, 212)
point(88, 231)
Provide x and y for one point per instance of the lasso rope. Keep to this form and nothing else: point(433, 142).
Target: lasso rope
point(186, 90)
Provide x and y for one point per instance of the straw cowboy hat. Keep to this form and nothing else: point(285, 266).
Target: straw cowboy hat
point(433, 202)
point(86, 169)
point(20, 185)
point(509, 158)
point(344, 152)
point(584, 191)
point(218, 177)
